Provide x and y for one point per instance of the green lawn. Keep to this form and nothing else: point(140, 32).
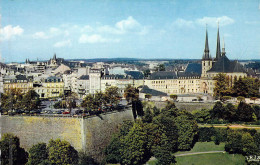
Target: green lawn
point(203, 147)
point(209, 158)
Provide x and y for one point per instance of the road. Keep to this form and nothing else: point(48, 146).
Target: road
point(197, 153)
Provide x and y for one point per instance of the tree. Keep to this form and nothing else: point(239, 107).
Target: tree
point(88, 102)
point(245, 112)
point(31, 100)
point(131, 94)
point(249, 145)
point(187, 129)
point(112, 95)
point(137, 107)
point(148, 96)
point(11, 150)
point(202, 116)
point(134, 145)
point(38, 154)
point(239, 88)
point(148, 116)
point(147, 72)
point(86, 160)
point(218, 111)
point(221, 86)
point(231, 114)
point(162, 152)
point(173, 97)
point(61, 152)
point(240, 98)
point(160, 67)
point(11, 100)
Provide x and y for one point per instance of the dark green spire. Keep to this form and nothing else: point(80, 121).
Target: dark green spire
point(206, 55)
point(218, 50)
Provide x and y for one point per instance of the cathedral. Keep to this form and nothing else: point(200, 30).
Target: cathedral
point(220, 64)
point(198, 78)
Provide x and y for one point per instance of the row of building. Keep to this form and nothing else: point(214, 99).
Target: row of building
point(56, 76)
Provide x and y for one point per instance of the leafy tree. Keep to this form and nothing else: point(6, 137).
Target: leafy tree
point(231, 114)
point(134, 145)
point(112, 95)
point(173, 97)
point(249, 145)
point(240, 98)
point(61, 152)
point(112, 151)
point(148, 96)
point(137, 107)
point(221, 86)
point(86, 160)
point(257, 111)
point(162, 152)
point(239, 88)
point(245, 112)
point(160, 67)
point(60, 104)
point(131, 94)
point(187, 129)
point(38, 154)
point(147, 72)
point(218, 111)
point(12, 99)
point(166, 123)
point(202, 116)
point(88, 102)
point(148, 116)
point(156, 111)
point(11, 150)
point(31, 100)
point(234, 142)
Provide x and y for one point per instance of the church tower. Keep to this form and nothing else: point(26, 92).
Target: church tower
point(218, 49)
point(206, 62)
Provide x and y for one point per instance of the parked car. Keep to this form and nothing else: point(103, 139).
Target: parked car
point(65, 112)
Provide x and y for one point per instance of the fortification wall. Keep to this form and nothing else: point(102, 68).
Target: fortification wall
point(90, 135)
point(188, 106)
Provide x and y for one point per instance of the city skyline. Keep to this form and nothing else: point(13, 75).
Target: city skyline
point(127, 29)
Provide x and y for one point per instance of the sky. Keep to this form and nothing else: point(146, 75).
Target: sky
point(173, 29)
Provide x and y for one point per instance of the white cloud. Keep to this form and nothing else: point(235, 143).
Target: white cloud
point(213, 21)
point(54, 30)
point(63, 44)
point(129, 25)
point(9, 32)
point(95, 38)
point(183, 23)
point(40, 35)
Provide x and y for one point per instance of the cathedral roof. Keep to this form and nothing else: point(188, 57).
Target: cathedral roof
point(224, 65)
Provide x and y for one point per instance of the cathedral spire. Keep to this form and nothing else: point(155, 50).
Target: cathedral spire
point(218, 50)
point(206, 55)
point(223, 53)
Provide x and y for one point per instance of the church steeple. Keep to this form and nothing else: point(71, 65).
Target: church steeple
point(206, 55)
point(223, 53)
point(54, 57)
point(218, 50)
